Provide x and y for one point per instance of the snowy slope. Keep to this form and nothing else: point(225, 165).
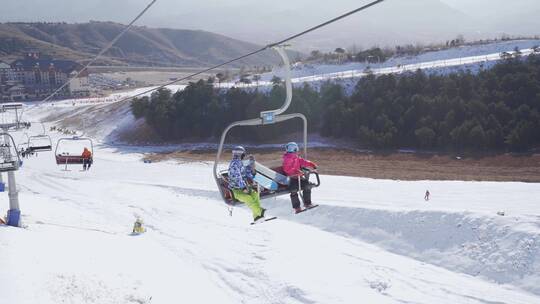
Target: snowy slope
point(471, 57)
point(375, 242)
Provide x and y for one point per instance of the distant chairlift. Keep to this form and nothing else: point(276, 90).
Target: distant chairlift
point(39, 143)
point(271, 181)
point(69, 150)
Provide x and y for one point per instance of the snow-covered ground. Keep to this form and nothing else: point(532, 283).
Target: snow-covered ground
point(370, 241)
point(470, 56)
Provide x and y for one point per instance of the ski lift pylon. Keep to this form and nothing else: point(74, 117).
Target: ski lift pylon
point(273, 176)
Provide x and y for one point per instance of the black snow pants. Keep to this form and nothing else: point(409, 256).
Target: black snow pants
point(306, 192)
point(87, 162)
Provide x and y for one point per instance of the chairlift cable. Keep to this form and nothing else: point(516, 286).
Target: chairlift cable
point(325, 23)
point(257, 51)
point(105, 49)
point(195, 74)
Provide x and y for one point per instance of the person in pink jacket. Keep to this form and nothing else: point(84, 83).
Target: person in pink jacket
point(292, 167)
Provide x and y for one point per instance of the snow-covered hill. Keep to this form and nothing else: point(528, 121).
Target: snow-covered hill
point(372, 241)
point(472, 57)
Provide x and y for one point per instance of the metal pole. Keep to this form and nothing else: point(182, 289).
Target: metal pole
point(14, 212)
point(13, 193)
point(305, 134)
point(288, 82)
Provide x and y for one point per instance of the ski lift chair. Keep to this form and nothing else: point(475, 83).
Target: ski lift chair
point(39, 143)
point(9, 160)
point(271, 181)
point(63, 156)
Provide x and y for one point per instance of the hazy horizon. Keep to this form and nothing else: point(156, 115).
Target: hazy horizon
point(389, 23)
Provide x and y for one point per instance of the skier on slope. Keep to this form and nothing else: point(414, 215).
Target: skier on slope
point(292, 167)
point(240, 183)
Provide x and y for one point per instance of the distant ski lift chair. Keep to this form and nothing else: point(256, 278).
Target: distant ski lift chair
point(9, 157)
point(271, 181)
point(65, 156)
point(39, 143)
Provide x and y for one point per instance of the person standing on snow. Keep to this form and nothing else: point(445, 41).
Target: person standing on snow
point(292, 167)
point(240, 179)
point(87, 159)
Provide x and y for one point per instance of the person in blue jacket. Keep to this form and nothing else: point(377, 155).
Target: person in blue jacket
point(240, 183)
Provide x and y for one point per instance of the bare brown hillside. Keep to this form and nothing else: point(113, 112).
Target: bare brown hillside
point(142, 46)
point(504, 167)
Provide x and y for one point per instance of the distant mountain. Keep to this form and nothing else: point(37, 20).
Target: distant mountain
point(389, 23)
point(140, 46)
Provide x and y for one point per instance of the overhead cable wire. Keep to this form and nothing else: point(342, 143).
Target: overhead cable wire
point(105, 49)
point(326, 23)
point(257, 51)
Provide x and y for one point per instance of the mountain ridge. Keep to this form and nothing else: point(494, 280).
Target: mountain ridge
point(141, 45)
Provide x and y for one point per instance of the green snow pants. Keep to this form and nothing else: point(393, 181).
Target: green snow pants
point(251, 199)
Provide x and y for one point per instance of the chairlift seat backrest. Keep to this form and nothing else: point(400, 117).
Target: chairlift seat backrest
point(266, 182)
point(7, 166)
point(69, 160)
point(40, 148)
point(273, 175)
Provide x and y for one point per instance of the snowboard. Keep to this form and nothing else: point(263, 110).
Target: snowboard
point(265, 220)
point(306, 209)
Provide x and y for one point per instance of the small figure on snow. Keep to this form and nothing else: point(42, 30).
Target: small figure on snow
point(292, 167)
point(87, 159)
point(241, 181)
point(138, 227)
point(426, 197)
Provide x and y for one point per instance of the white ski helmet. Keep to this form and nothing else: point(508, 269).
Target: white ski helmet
point(291, 147)
point(238, 151)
